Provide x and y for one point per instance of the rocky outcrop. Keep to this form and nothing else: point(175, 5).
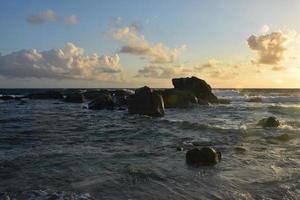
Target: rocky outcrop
point(46, 95)
point(174, 98)
point(120, 97)
point(269, 122)
point(204, 156)
point(103, 101)
point(146, 102)
point(74, 98)
point(93, 94)
point(197, 87)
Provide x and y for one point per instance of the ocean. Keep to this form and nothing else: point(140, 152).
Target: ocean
point(55, 150)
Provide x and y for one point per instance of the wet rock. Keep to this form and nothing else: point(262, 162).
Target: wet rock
point(146, 102)
point(240, 149)
point(74, 98)
point(6, 97)
point(120, 97)
point(255, 99)
point(174, 98)
point(197, 87)
point(269, 122)
point(46, 95)
point(179, 148)
point(93, 94)
point(203, 156)
point(103, 101)
point(224, 101)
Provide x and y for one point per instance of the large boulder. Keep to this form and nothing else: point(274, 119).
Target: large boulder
point(103, 101)
point(46, 95)
point(74, 98)
point(197, 87)
point(204, 156)
point(93, 94)
point(146, 102)
point(174, 98)
point(269, 122)
point(120, 97)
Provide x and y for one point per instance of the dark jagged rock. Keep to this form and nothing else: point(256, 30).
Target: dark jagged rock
point(74, 98)
point(46, 95)
point(120, 97)
point(146, 102)
point(269, 122)
point(93, 94)
point(103, 101)
point(174, 98)
point(204, 156)
point(197, 87)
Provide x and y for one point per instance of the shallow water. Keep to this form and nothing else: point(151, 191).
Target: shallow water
point(56, 150)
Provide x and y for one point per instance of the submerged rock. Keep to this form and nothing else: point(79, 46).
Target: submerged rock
point(174, 98)
point(146, 102)
point(197, 87)
point(103, 101)
point(46, 95)
point(269, 122)
point(74, 98)
point(204, 156)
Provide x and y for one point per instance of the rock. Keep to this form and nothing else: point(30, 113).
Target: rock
point(269, 122)
point(255, 99)
point(179, 148)
point(204, 156)
point(93, 94)
point(120, 97)
point(197, 87)
point(6, 97)
point(224, 101)
point(46, 95)
point(74, 98)
point(103, 101)
point(174, 98)
point(146, 102)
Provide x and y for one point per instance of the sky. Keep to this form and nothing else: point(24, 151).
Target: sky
point(132, 43)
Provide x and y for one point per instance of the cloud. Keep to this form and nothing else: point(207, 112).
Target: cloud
point(270, 48)
point(71, 20)
point(134, 43)
point(42, 17)
point(159, 72)
point(211, 63)
point(65, 63)
point(264, 29)
point(278, 68)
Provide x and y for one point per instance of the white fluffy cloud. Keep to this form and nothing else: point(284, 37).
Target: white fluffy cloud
point(66, 63)
point(136, 44)
point(270, 48)
point(42, 17)
point(71, 20)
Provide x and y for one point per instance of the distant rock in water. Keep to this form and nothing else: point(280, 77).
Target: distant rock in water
point(74, 98)
point(204, 156)
point(269, 122)
point(146, 102)
point(103, 101)
point(6, 97)
point(255, 99)
point(93, 94)
point(120, 97)
point(46, 95)
point(174, 98)
point(197, 87)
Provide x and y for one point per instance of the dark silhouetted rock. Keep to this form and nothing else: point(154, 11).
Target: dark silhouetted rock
point(103, 101)
point(146, 102)
point(120, 97)
point(269, 122)
point(174, 98)
point(204, 156)
point(93, 94)
point(197, 87)
point(74, 98)
point(6, 97)
point(46, 95)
